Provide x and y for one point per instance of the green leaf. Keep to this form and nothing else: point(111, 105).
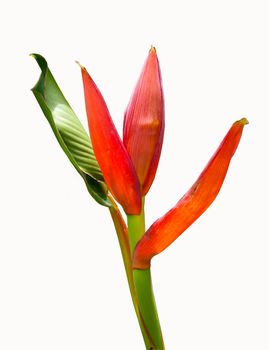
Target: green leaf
point(69, 132)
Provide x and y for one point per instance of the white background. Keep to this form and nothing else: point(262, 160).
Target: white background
point(62, 283)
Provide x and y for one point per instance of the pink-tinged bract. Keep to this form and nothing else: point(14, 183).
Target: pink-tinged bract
point(144, 122)
point(199, 197)
point(112, 157)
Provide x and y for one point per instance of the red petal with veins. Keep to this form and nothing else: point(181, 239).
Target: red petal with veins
point(113, 159)
point(168, 228)
point(144, 122)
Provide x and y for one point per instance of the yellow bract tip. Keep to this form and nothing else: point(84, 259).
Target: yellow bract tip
point(244, 121)
point(153, 49)
point(82, 67)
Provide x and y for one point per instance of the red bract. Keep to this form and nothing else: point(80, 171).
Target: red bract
point(165, 230)
point(144, 122)
point(113, 159)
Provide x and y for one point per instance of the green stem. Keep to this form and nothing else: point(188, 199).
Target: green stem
point(122, 233)
point(143, 284)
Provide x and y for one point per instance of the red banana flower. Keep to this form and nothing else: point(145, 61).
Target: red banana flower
point(144, 122)
point(199, 197)
point(112, 157)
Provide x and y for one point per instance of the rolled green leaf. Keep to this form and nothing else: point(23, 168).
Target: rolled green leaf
point(69, 132)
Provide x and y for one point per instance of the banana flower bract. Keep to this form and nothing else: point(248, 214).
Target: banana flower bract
point(199, 197)
point(113, 159)
point(144, 122)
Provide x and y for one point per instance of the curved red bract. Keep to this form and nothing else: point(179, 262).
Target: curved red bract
point(168, 228)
